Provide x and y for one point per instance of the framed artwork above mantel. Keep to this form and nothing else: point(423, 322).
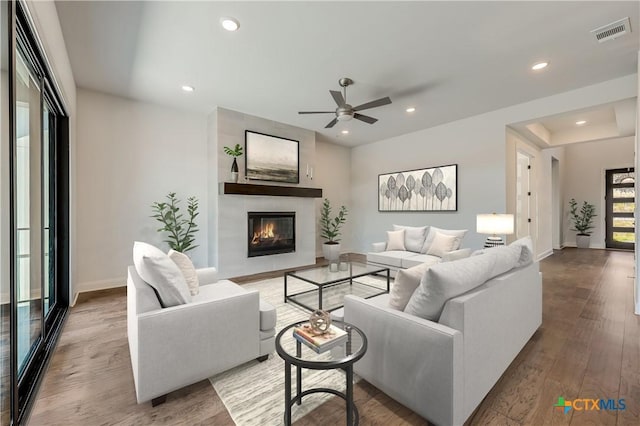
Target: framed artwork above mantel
point(271, 158)
point(434, 189)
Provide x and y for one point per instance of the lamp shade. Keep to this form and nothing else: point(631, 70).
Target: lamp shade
point(494, 224)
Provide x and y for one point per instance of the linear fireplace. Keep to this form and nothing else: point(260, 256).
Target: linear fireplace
point(271, 233)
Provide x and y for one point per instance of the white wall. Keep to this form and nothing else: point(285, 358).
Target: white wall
point(585, 179)
point(130, 154)
point(332, 173)
point(476, 144)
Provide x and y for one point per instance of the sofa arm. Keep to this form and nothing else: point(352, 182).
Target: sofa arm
point(378, 247)
point(415, 361)
point(456, 254)
point(183, 344)
point(207, 275)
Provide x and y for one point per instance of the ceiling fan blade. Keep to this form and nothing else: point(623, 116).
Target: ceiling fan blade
point(365, 118)
point(316, 112)
point(337, 96)
point(331, 123)
point(373, 104)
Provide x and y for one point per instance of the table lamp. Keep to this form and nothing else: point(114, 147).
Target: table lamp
point(494, 225)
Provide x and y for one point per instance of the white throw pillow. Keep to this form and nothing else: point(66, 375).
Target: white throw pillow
point(456, 255)
point(459, 233)
point(413, 236)
point(447, 280)
point(185, 265)
point(406, 282)
point(395, 240)
point(526, 255)
point(442, 244)
point(161, 273)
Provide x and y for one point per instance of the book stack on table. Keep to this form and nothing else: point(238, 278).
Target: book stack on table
point(320, 342)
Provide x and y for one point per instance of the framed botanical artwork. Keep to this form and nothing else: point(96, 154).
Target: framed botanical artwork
point(425, 190)
point(271, 158)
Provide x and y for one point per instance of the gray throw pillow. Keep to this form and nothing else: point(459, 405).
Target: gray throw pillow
point(413, 236)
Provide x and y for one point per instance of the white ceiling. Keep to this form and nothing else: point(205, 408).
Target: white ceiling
point(448, 59)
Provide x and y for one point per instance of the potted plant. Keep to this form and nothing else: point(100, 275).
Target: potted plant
point(181, 230)
point(582, 222)
point(330, 230)
point(235, 153)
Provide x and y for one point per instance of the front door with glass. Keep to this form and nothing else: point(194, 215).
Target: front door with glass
point(621, 201)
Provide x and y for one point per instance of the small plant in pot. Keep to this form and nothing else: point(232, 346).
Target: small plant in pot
point(235, 153)
point(181, 230)
point(582, 221)
point(330, 230)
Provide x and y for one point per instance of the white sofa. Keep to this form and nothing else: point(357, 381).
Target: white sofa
point(222, 327)
point(442, 370)
point(415, 252)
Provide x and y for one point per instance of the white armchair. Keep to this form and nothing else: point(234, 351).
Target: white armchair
point(224, 326)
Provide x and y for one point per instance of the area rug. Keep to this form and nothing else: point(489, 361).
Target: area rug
point(253, 393)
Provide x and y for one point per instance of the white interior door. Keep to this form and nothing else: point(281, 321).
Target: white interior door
point(523, 195)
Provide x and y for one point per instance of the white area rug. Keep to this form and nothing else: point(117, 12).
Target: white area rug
point(253, 393)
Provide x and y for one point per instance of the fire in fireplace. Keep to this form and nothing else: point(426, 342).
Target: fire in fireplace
point(271, 233)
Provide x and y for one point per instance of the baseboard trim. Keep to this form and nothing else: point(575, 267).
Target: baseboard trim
point(102, 284)
point(592, 246)
point(545, 254)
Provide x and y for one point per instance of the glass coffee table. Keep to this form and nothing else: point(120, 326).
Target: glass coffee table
point(300, 356)
point(326, 287)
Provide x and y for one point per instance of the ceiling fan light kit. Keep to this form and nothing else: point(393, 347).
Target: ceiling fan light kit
point(346, 112)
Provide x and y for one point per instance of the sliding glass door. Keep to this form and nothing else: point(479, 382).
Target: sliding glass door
point(34, 227)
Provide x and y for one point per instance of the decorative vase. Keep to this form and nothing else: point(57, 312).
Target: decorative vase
point(331, 252)
point(583, 240)
point(234, 171)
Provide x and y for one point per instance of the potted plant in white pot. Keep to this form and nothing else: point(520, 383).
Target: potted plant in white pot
point(235, 153)
point(582, 222)
point(330, 230)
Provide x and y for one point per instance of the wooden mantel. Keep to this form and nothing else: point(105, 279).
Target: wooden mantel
point(271, 190)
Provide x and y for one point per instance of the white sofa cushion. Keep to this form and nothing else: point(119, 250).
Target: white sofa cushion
point(185, 265)
point(418, 259)
point(447, 280)
point(456, 255)
point(413, 236)
point(441, 244)
point(390, 258)
point(459, 233)
point(161, 273)
point(405, 283)
point(395, 240)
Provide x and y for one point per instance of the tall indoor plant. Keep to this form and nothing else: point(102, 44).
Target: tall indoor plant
point(180, 230)
point(582, 222)
point(235, 153)
point(330, 230)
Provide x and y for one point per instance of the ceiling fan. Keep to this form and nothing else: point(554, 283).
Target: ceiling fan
point(346, 112)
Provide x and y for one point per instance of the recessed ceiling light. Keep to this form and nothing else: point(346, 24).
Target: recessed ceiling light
point(539, 66)
point(188, 88)
point(410, 109)
point(230, 24)
point(581, 122)
point(345, 132)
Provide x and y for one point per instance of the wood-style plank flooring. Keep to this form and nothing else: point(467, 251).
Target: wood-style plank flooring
point(588, 347)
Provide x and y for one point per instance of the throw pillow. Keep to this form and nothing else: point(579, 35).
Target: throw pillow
point(456, 255)
point(459, 233)
point(161, 273)
point(526, 255)
point(442, 244)
point(413, 236)
point(406, 282)
point(185, 265)
point(447, 280)
point(395, 240)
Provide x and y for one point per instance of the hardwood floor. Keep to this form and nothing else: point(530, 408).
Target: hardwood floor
point(588, 347)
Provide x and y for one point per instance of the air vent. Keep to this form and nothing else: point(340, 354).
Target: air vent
point(613, 30)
